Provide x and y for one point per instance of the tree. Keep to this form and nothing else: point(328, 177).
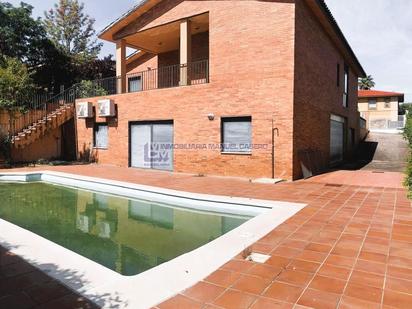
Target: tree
point(55, 70)
point(403, 108)
point(97, 68)
point(366, 83)
point(25, 38)
point(49, 64)
point(20, 35)
point(16, 84)
point(72, 30)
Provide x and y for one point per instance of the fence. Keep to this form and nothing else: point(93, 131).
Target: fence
point(386, 124)
point(193, 73)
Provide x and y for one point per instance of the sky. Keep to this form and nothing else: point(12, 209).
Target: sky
point(103, 11)
point(378, 31)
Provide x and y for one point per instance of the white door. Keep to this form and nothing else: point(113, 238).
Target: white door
point(140, 146)
point(162, 146)
point(151, 146)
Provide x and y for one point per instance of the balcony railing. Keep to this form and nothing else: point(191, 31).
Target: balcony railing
point(37, 107)
point(193, 73)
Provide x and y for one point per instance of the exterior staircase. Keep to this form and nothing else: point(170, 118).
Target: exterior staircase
point(41, 116)
point(28, 123)
point(35, 130)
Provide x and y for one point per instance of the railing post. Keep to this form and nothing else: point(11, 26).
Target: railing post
point(207, 71)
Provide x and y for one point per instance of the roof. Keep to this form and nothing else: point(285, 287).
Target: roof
point(322, 4)
point(138, 9)
point(379, 94)
point(143, 6)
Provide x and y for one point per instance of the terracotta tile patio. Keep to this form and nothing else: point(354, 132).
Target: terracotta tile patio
point(351, 247)
point(23, 286)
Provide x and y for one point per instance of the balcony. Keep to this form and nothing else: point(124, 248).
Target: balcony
point(194, 73)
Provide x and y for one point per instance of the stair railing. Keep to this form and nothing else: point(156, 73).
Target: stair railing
point(23, 116)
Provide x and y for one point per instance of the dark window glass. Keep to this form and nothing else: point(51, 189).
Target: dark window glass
point(372, 104)
point(346, 87)
point(338, 75)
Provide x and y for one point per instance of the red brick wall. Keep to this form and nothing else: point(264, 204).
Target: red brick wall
point(200, 51)
point(47, 147)
point(259, 67)
point(240, 84)
point(317, 95)
point(142, 64)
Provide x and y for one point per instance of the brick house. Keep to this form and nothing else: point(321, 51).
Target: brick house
point(223, 81)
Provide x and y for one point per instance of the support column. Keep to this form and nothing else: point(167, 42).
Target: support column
point(185, 51)
point(121, 66)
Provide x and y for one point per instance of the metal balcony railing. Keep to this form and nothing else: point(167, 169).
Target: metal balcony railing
point(38, 107)
point(193, 73)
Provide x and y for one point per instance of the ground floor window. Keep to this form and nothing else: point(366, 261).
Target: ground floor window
point(101, 136)
point(337, 138)
point(236, 134)
point(151, 145)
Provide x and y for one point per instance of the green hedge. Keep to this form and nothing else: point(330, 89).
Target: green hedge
point(407, 134)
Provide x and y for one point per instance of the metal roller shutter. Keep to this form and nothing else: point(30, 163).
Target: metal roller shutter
point(337, 138)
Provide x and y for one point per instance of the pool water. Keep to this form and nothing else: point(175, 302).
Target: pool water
point(126, 235)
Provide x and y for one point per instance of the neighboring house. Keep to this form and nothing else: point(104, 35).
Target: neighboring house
point(380, 109)
point(226, 78)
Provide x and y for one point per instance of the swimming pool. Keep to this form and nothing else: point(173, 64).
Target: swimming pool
point(128, 236)
point(90, 233)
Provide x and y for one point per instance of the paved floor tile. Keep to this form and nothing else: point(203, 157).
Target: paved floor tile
point(350, 247)
point(233, 299)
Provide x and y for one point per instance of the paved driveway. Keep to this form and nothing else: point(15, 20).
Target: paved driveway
point(391, 152)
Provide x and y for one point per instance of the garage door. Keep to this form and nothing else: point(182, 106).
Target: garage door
point(337, 138)
point(151, 145)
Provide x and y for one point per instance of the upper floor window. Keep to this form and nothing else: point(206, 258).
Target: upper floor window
point(346, 87)
point(387, 103)
point(135, 83)
point(237, 134)
point(372, 104)
point(338, 75)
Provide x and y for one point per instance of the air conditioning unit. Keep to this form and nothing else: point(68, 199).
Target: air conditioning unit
point(84, 110)
point(105, 108)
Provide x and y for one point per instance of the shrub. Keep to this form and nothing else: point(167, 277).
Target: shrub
point(5, 148)
point(16, 85)
point(88, 89)
point(407, 134)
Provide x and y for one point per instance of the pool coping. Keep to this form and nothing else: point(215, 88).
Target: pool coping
point(111, 290)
